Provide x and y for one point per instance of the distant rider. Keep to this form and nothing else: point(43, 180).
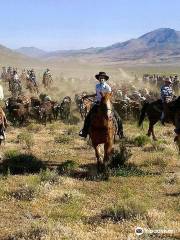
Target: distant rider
point(47, 72)
point(47, 75)
point(16, 83)
point(32, 77)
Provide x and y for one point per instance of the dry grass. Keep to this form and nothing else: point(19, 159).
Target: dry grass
point(51, 205)
point(66, 200)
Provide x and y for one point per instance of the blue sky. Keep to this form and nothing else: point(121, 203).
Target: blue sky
point(75, 24)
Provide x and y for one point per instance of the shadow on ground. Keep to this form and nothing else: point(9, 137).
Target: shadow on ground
point(17, 163)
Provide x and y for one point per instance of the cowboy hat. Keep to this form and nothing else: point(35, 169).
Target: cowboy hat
point(102, 74)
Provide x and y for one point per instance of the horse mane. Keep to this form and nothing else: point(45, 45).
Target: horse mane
point(177, 100)
point(159, 101)
point(106, 96)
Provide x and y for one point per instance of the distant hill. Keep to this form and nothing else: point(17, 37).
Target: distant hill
point(71, 53)
point(9, 57)
point(161, 45)
point(31, 52)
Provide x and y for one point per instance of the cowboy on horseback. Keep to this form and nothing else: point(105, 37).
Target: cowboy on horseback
point(15, 85)
point(101, 87)
point(32, 77)
point(47, 72)
point(47, 78)
point(9, 70)
point(166, 97)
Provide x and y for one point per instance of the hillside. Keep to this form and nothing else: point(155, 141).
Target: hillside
point(32, 52)
point(9, 57)
point(161, 45)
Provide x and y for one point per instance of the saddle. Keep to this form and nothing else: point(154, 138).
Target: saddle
point(158, 106)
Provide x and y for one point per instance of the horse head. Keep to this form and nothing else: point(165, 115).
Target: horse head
point(106, 105)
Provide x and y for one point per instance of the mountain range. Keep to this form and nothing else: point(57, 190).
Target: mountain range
point(158, 46)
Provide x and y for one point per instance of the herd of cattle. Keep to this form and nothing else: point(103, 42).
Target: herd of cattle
point(41, 108)
point(127, 101)
point(23, 108)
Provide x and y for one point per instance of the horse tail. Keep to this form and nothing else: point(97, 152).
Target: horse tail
point(143, 113)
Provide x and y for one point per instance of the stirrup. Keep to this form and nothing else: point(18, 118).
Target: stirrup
point(82, 134)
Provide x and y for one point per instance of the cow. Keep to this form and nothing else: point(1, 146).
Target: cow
point(45, 111)
point(65, 108)
point(17, 110)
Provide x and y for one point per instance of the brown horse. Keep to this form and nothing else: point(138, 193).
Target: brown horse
point(102, 131)
point(32, 88)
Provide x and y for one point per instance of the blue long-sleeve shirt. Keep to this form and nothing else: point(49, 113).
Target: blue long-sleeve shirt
point(166, 92)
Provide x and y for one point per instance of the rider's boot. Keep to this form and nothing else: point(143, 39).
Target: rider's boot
point(85, 130)
point(163, 119)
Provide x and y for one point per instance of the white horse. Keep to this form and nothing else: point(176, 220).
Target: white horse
point(1, 92)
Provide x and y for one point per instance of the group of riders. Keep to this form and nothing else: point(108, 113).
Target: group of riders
point(102, 87)
point(15, 80)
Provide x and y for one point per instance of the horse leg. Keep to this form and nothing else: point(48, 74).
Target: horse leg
point(98, 157)
point(45, 119)
point(151, 131)
point(153, 135)
point(177, 141)
point(107, 157)
point(150, 128)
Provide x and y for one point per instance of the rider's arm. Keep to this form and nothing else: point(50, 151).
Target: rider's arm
point(163, 93)
point(109, 89)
